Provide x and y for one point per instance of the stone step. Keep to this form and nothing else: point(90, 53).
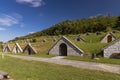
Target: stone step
point(4, 75)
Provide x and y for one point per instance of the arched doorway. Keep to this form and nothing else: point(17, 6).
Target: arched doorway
point(17, 50)
point(78, 39)
point(29, 51)
point(109, 38)
point(63, 49)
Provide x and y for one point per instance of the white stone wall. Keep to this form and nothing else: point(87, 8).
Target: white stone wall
point(71, 50)
point(114, 48)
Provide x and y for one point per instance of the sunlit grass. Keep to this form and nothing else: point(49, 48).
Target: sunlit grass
point(99, 60)
point(32, 70)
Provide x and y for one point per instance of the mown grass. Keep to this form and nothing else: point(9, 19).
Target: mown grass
point(89, 59)
point(33, 70)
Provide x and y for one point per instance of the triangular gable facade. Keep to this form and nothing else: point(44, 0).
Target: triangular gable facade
point(6, 48)
point(78, 38)
point(108, 38)
point(29, 49)
point(65, 47)
point(112, 50)
point(17, 48)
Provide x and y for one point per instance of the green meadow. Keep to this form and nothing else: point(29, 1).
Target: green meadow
point(33, 70)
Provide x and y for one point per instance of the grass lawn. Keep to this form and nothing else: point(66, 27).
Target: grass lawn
point(89, 59)
point(33, 70)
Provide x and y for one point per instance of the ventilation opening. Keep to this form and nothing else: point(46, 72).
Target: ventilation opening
point(115, 55)
point(109, 38)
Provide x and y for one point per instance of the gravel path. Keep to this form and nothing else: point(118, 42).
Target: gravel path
point(80, 64)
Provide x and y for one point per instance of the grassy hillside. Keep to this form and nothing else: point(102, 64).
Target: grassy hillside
point(41, 47)
point(91, 45)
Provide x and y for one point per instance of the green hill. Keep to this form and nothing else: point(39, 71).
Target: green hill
point(91, 45)
point(99, 23)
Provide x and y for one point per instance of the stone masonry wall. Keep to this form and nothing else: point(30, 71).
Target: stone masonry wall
point(114, 48)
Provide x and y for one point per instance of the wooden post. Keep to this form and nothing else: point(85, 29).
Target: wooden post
point(2, 55)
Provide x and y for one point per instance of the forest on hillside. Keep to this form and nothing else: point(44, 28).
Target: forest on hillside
point(96, 23)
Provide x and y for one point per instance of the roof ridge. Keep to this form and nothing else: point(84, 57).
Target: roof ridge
point(72, 43)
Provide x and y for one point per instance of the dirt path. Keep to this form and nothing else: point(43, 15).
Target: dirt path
point(80, 64)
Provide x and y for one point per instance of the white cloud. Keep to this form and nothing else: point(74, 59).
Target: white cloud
point(17, 15)
point(33, 3)
point(31, 32)
point(9, 20)
point(2, 29)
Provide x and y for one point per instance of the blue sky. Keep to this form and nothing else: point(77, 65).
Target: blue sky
point(20, 17)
